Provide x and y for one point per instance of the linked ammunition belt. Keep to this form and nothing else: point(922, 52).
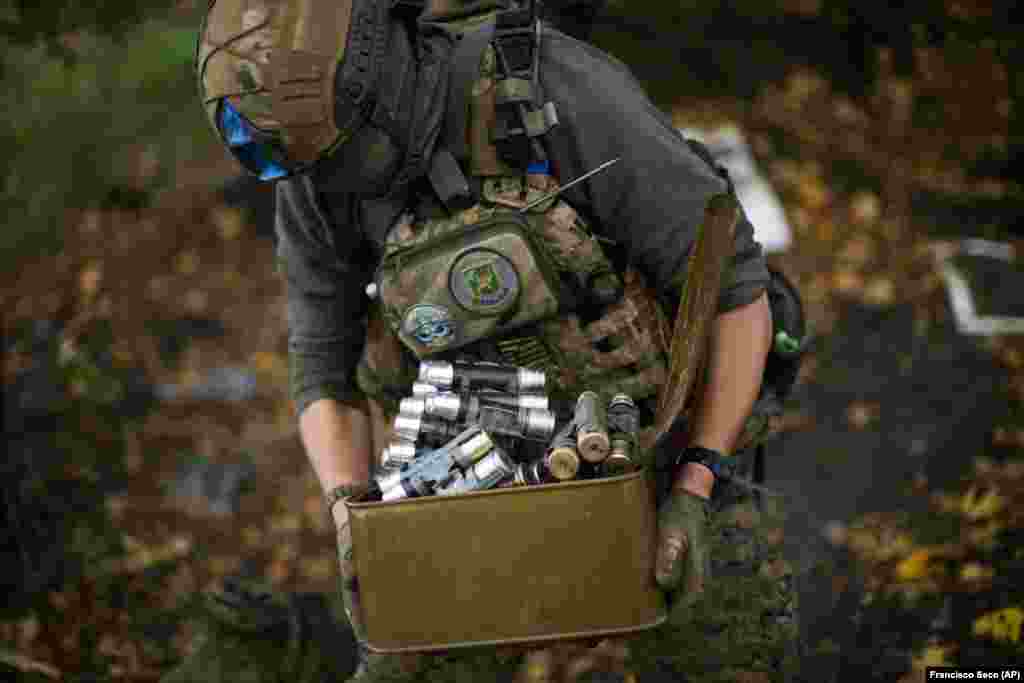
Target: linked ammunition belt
point(472, 426)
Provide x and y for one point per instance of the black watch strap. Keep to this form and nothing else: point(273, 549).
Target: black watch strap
point(339, 493)
point(720, 465)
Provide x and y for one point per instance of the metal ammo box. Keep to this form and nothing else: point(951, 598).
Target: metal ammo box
point(510, 565)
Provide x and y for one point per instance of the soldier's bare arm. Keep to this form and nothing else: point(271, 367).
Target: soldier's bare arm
point(740, 341)
point(338, 441)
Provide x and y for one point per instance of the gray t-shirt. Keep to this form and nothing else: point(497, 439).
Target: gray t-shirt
point(651, 203)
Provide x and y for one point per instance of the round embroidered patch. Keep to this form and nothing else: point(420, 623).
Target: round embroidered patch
point(430, 325)
point(484, 281)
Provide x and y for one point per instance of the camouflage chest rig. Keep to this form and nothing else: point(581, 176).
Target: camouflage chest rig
point(494, 268)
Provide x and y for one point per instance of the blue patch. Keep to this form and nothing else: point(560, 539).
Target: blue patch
point(430, 325)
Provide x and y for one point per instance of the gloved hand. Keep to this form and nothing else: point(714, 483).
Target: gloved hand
point(682, 563)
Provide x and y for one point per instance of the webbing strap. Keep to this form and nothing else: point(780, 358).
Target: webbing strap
point(465, 72)
point(520, 118)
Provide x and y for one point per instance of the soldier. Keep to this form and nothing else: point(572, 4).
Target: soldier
point(394, 129)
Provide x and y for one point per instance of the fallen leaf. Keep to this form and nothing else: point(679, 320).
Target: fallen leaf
point(231, 278)
point(975, 506)
point(933, 655)
point(159, 287)
point(847, 281)
point(836, 533)
point(801, 86)
point(1001, 625)
point(858, 252)
point(1013, 358)
point(279, 571)
point(187, 263)
point(196, 301)
point(229, 222)
point(865, 207)
point(319, 569)
point(28, 630)
point(91, 223)
point(975, 571)
point(913, 567)
point(274, 365)
point(880, 291)
point(285, 524)
point(316, 514)
point(860, 414)
point(90, 278)
point(252, 537)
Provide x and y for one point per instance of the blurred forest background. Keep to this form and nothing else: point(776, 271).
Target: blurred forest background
point(151, 444)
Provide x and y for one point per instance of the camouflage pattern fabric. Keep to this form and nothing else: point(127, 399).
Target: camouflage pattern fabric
point(623, 350)
point(744, 626)
point(275, 62)
point(253, 635)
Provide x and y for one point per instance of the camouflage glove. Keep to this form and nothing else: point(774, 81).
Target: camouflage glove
point(349, 582)
point(370, 666)
point(682, 563)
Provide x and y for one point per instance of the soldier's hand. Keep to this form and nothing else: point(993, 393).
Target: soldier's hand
point(681, 565)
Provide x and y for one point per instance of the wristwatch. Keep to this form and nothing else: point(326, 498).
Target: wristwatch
point(720, 465)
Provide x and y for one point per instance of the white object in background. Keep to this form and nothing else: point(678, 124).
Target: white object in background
point(759, 200)
point(967, 319)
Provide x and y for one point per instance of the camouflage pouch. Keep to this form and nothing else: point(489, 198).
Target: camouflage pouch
point(465, 285)
point(622, 351)
point(386, 370)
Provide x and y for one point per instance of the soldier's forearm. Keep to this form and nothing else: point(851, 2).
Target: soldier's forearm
point(740, 341)
point(338, 440)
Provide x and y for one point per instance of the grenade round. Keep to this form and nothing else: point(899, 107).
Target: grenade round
point(472, 449)
point(445, 405)
point(540, 424)
point(623, 416)
point(531, 474)
point(421, 389)
point(473, 376)
point(528, 401)
point(563, 463)
point(530, 381)
point(437, 373)
point(485, 473)
point(397, 453)
point(412, 406)
point(533, 425)
point(407, 427)
point(591, 427)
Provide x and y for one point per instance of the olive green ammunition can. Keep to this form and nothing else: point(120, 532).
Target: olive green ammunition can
point(591, 420)
point(516, 565)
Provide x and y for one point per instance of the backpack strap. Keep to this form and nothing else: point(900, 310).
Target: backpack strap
point(465, 67)
point(520, 121)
